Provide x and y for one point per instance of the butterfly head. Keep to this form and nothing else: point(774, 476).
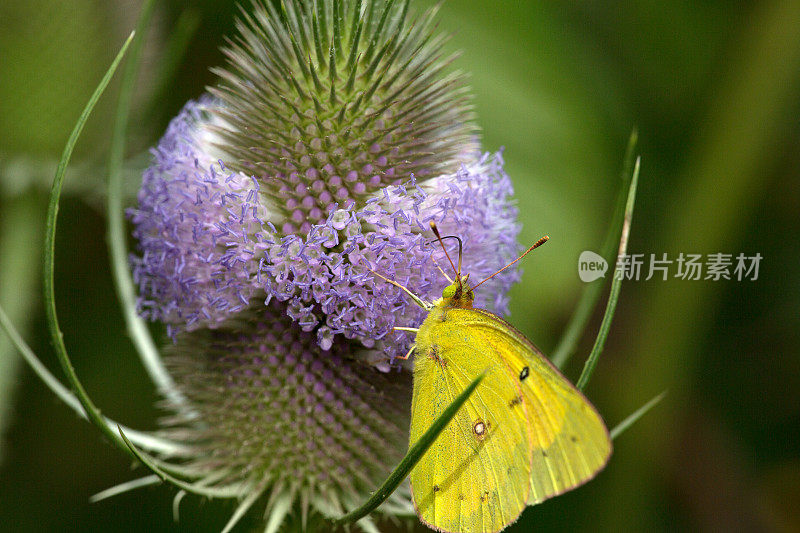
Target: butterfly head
point(459, 294)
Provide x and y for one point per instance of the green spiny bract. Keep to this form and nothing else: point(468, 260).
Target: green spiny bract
point(276, 415)
point(326, 102)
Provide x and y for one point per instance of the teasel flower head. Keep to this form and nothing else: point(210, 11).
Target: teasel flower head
point(336, 133)
point(277, 417)
point(333, 138)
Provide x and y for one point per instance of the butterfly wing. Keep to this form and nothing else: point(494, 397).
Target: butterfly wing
point(570, 440)
point(474, 478)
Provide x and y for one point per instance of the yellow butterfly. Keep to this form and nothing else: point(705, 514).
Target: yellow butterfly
point(526, 433)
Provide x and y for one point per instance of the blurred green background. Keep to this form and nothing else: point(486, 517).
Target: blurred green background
point(714, 90)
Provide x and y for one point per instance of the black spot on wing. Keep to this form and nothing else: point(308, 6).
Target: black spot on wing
point(524, 373)
point(516, 400)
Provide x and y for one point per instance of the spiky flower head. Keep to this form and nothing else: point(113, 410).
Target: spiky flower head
point(334, 136)
point(339, 138)
point(282, 417)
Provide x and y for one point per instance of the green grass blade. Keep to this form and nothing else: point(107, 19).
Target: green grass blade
point(122, 488)
point(611, 306)
point(57, 338)
point(592, 291)
point(116, 238)
point(21, 233)
point(145, 440)
point(242, 509)
point(636, 415)
point(150, 463)
point(412, 457)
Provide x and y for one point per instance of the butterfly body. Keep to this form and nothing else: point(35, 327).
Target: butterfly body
point(526, 434)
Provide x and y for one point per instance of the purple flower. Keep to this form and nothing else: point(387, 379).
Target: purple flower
point(200, 229)
point(210, 244)
point(332, 140)
point(330, 282)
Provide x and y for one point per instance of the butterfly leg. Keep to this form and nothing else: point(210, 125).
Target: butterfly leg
point(408, 353)
point(411, 350)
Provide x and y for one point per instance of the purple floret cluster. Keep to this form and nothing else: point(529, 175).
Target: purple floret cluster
point(326, 274)
point(209, 246)
point(198, 227)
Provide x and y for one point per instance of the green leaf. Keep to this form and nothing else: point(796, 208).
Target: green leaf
point(636, 415)
point(413, 456)
point(145, 440)
point(57, 338)
point(20, 235)
point(616, 285)
point(116, 238)
point(227, 491)
point(592, 291)
point(122, 488)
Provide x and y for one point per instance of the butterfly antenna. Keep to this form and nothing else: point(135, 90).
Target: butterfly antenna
point(529, 250)
point(441, 241)
point(419, 301)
